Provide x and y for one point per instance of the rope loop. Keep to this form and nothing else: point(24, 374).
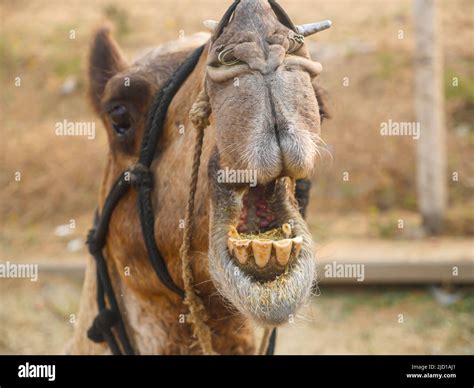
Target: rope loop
point(140, 176)
point(201, 111)
point(94, 246)
point(103, 322)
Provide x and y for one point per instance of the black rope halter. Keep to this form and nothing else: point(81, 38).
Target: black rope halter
point(140, 178)
point(277, 9)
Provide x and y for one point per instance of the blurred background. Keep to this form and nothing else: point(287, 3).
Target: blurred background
point(364, 203)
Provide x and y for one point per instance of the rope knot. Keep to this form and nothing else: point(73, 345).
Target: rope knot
point(94, 246)
point(141, 176)
point(201, 111)
point(103, 322)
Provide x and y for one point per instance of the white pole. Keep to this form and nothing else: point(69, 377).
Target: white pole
point(431, 146)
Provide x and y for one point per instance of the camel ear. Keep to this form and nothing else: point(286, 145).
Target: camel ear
point(105, 61)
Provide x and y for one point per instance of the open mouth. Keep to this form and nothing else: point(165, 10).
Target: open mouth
point(261, 255)
point(262, 244)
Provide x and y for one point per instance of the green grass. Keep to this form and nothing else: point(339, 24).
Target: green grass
point(383, 227)
point(464, 90)
point(119, 18)
point(465, 305)
point(66, 65)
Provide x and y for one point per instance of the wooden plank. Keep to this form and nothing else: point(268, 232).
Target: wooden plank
point(434, 260)
point(380, 271)
point(427, 261)
point(422, 271)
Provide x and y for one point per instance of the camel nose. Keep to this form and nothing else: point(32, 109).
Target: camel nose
point(273, 62)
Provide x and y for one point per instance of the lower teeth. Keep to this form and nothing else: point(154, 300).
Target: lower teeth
point(262, 247)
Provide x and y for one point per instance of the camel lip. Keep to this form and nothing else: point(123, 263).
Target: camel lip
point(273, 295)
point(268, 276)
point(266, 300)
point(264, 239)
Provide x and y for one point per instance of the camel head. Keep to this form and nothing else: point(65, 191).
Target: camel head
point(266, 120)
point(260, 84)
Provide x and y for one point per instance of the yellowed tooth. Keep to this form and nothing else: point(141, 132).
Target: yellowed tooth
point(282, 250)
point(241, 250)
point(233, 232)
point(297, 243)
point(233, 237)
point(262, 251)
point(286, 230)
point(230, 244)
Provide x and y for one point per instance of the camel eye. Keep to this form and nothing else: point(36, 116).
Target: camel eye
point(120, 119)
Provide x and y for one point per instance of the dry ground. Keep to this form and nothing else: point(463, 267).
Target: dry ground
point(35, 318)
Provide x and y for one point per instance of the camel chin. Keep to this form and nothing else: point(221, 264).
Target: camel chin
point(261, 252)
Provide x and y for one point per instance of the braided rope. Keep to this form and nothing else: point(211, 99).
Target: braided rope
point(199, 115)
point(197, 311)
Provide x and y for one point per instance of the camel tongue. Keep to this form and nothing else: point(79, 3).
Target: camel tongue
point(257, 213)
